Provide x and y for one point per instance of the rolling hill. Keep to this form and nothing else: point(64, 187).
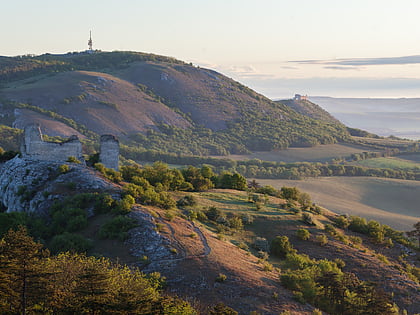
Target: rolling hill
point(151, 102)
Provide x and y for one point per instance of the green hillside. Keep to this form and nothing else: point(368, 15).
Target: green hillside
point(151, 102)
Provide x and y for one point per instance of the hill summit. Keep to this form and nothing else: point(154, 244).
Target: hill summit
point(152, 102)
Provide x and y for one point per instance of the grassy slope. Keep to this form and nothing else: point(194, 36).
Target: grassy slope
point(272, 220)
point(104, 85)
point(390, 162)
point(392, 202)
point(321, 153)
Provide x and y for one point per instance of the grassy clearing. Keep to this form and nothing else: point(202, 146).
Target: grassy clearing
point(389, 201)
point(320, 153)
point(389, 162)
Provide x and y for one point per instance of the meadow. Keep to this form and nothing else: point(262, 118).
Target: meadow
point(320, 153)
point(389, 201)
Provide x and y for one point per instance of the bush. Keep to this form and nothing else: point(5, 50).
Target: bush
point(188, 200)
point(308, 218)
point(321, 239)
point(213, 213)
point(221, 277)
point(70, 242)
point(341, 221)
point(117, 227)
point(73, 159)
point(261, 244)
point(281, 246)
point(303, 234)
point(63, 169)
point(124, 205)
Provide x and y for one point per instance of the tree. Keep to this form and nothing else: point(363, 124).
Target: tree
point(303, 234)
point(415, 232)
point(281, 246)
point(221, 309)
point(20, 258)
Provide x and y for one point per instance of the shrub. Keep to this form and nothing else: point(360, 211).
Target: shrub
point(188, 200)
point(303, 234)
point(321, 239)
point(308, 218)
point(235, 223)
point(124, 205)
point(247, 219)
point(73, 159)
point(262, 255)
point(213, 213)
point(221, 277)
point(261, 244)
point(69, 242)
point(281, 246)
point(63, 169)
point(342, 222)
point(117, 227)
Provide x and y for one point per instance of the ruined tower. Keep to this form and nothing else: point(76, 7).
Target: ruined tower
point(36, 148)
point(109, 151)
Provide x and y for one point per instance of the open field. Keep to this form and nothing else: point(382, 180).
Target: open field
point(320, 153)
point(389, 162)
point(389, 201)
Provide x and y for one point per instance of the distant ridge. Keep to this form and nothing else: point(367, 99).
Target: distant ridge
point(151, 102)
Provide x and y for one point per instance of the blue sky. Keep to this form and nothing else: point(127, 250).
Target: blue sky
point(278, 47)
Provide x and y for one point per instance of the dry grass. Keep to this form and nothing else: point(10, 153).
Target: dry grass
point(389, 201)
point(321, 153)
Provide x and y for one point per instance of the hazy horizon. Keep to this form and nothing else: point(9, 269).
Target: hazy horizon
point(278, 48)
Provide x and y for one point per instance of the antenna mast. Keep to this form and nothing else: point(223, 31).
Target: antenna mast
point(90, 43)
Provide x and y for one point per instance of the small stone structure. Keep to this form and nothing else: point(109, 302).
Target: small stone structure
point(299, 97)
point(109, 151)
point(37, 149)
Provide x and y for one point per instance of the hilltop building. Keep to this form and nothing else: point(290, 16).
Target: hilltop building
point(299, 97)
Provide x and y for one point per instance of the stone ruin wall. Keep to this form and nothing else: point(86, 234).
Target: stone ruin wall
point(109, 151)
point(35, 148)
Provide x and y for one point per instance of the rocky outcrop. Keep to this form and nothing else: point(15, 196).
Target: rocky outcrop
point(32, 186)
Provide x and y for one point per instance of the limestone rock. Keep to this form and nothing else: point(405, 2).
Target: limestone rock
point(32, 186)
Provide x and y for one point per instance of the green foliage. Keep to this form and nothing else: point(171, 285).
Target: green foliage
point(221, 277)
point(72, 159)
point(221, 309)
point(186, 201)
point(108, 173)
point(69, 242)
point(63, 169)
point(323, 284)
point(281, 246)
point(321, 239)
point(341, 221)
point(12, 221)
point(33, 282)
point(124, 205)
point(303, 234)
point(117, 227)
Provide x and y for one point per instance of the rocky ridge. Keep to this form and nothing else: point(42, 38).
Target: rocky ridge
point(32, 186)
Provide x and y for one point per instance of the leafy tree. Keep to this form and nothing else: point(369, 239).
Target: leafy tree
point(281, 246)
point(222, 309)
point(303, 234)
point(415, 232)
point(25, 282)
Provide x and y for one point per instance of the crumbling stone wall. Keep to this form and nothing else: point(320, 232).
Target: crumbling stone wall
point(35, 148)
point(109, 151)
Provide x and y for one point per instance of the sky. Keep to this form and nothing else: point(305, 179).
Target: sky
point(341, 48)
